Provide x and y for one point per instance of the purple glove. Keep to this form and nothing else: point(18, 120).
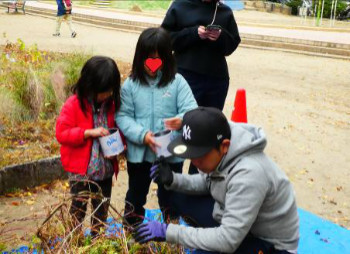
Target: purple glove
point(154, 170)
point(151, 231)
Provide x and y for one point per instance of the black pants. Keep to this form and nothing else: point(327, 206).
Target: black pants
point(250, 245)
point(253, 245)
point(208, 91)
point(196, 210)
point(136, 196)
point(79, 203)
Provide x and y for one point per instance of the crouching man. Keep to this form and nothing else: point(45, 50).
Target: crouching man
point(254, 201)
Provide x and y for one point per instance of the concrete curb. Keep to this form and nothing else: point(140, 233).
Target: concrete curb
point(312, 43)
point(31, 174)
point(310, 46)
point(319, 48)
point(296, 27)
point(269, 7)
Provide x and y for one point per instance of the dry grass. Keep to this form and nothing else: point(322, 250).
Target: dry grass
point(58, 233)
point(33, 86)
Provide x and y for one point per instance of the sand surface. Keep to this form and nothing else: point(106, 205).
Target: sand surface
point(302, 102)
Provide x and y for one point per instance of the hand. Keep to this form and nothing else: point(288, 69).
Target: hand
point(213, 35)
point(162, 174)
point(202, 33)
point(151, 231)
point(173, 123)
point(96, 133)
point(149, 140)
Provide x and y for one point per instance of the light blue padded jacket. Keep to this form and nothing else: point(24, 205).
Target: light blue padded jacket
point(144, 107)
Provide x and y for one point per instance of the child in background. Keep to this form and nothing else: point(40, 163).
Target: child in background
point(153, 98)
point(84, 118)
point(64, 12)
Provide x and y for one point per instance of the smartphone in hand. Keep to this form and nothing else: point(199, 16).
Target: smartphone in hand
point(212, 28)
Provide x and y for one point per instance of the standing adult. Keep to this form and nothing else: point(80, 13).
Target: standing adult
point(64, 12)
point(200, 50)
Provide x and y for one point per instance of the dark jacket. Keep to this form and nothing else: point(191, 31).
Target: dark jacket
point(192, 53)
point(64, 7)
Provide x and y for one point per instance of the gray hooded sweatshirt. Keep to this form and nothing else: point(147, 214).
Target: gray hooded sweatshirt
point(252, 195)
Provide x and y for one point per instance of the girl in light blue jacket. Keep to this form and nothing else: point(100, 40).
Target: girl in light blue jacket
point(153, 98)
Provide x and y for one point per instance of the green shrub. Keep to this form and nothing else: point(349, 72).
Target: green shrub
point(71, 67)
point(34, 83)
point(52, 104)
point(18, 79)
point(28, 92)
point(294, 4)
point(328, 8)
point(9, 108)
point(2, 246)
point(341, 5)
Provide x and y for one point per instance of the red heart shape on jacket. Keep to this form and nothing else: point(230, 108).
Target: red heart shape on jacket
point(153, 64)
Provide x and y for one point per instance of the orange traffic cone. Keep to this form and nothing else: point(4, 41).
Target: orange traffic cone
point(239, 113)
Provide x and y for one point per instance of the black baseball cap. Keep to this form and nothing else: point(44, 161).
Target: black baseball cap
point(203, 129)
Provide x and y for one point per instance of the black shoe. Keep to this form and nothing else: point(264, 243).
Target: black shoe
point(74, 34)
point(56, 34)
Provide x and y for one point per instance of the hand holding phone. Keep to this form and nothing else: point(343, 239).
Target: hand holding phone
point(213, 28)
point(202, 33)
point(213, 32)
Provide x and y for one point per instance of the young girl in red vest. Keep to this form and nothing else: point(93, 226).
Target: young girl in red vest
point(86, 116)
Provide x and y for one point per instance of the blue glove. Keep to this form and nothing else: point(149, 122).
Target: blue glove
point(151, 231)
point(162, 174)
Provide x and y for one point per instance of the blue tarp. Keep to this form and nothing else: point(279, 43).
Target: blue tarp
point(317, 235)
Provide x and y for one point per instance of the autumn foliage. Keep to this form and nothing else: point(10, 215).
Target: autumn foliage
point(33, 86)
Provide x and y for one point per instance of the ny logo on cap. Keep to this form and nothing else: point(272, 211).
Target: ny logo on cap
point(186, 132)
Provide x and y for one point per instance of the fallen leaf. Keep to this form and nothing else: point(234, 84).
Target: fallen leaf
point(303, 172)
point(339, 188)
point(332, 202)
point(324, 240)
point(30, 202)
point(15, 203)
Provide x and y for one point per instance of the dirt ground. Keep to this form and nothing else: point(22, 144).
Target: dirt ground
point(302, 102)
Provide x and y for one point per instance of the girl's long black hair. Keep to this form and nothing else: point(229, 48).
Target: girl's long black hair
point(154, 40)
point(99, 74)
